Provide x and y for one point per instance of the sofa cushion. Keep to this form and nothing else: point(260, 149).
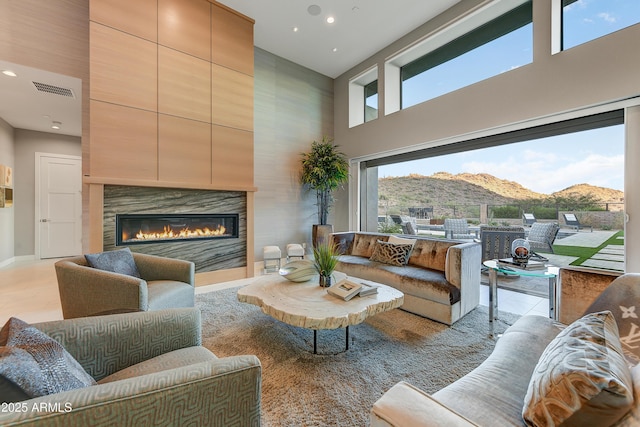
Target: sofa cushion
point(401, 240)
point(118, 261)
point(363, 244)
point(429, 253)
point(36, 363)
point(410, 280)
point(173, 359)
point(582, 377)
point(165, 294)
point(493, 394)
point(391, 253)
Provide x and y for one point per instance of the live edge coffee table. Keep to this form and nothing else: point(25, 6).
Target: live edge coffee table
point(307, 305)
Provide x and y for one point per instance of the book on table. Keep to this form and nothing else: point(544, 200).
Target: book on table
point(345, 289)
point(367, 289)
point(349, 288)
point(529, 265)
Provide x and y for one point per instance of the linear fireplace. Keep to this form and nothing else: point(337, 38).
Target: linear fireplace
point(135, 229)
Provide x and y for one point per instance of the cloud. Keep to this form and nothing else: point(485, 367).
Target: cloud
point(607, 17)
point(546, 172)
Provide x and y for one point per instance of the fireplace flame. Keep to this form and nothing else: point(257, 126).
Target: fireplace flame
point(185, 233)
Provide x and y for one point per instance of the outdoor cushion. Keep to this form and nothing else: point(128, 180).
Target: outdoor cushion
point(118, 261)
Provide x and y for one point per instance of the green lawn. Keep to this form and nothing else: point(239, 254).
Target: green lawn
point(583, 253)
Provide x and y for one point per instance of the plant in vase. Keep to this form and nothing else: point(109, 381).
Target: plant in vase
point(324, 169)
point(325, 259)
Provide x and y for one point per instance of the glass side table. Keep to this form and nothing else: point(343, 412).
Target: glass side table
point(551, 272)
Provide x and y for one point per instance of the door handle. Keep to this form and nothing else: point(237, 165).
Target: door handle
point(44, 220)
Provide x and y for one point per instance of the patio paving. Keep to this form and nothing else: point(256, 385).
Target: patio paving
point(611, 257)
point(586, 239)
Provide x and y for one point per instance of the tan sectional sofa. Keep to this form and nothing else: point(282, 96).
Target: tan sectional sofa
point(441, 280)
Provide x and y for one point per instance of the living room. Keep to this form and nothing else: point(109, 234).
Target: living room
point(293, 105)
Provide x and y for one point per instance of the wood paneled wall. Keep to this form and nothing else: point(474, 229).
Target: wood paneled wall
point(171, 94)
point(171, 101)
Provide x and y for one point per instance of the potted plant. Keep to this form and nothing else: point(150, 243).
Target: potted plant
point(324, 169)
point(325, 259)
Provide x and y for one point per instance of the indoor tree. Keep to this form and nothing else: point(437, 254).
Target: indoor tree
point(324, 169)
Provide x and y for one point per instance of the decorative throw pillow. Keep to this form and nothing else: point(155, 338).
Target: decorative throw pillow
point(118, 261)
point(391, 253)
point(582, 377)
point(38, 364)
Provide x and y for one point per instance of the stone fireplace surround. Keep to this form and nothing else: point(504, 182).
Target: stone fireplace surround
point(208, 255)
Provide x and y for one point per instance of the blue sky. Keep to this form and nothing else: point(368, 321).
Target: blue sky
point(595, 157)
point(545, 165)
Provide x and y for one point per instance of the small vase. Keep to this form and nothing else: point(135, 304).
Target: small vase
point(325, 281)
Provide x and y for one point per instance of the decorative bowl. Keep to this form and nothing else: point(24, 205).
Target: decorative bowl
point(298, 271)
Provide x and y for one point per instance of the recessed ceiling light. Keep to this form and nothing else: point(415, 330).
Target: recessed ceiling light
point(335, 49)
point(295, 29)
point(314, 10)
point(330, 20)
point(9, 73)
point(56, 125)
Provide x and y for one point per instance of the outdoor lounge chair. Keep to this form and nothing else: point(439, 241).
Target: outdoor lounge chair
point(496, 241)
point(457, 228)
point(528, 219)
point(572, 221)
point(542, 235)
point(396, 219)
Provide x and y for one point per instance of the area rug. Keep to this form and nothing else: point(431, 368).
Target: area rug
point(337, 387)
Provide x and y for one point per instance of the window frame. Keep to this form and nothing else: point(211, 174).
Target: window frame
point(462, 25)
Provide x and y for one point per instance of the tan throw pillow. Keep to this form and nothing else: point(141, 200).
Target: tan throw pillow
point(582, 377)
point(390, 253)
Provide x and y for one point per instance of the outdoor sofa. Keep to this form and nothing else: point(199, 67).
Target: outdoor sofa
point(150, 368)
point(535, 368)
point(440, 278)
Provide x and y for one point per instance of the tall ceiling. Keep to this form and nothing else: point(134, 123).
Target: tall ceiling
point(361, 28)
point(34, 99)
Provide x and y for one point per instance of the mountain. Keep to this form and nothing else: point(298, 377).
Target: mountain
point(443, 188)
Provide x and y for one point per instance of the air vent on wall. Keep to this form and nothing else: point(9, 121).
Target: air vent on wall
point(55, 90)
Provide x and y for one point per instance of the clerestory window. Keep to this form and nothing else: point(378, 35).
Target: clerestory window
point(371, 101)
point(586, 20)
point(496, 46)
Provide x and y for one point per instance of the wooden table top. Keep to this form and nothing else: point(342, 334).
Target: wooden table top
point(307, 305)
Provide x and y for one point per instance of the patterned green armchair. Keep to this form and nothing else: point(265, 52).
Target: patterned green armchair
point(150, 369)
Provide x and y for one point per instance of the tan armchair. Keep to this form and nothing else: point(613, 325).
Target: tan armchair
point(87, 291)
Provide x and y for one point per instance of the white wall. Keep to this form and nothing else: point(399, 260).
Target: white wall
point(597, 73)
point(7, 216)
point(27, 143)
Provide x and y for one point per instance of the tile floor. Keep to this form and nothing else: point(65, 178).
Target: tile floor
point(516, 302)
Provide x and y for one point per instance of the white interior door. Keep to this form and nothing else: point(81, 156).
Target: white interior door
point(58, 205)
